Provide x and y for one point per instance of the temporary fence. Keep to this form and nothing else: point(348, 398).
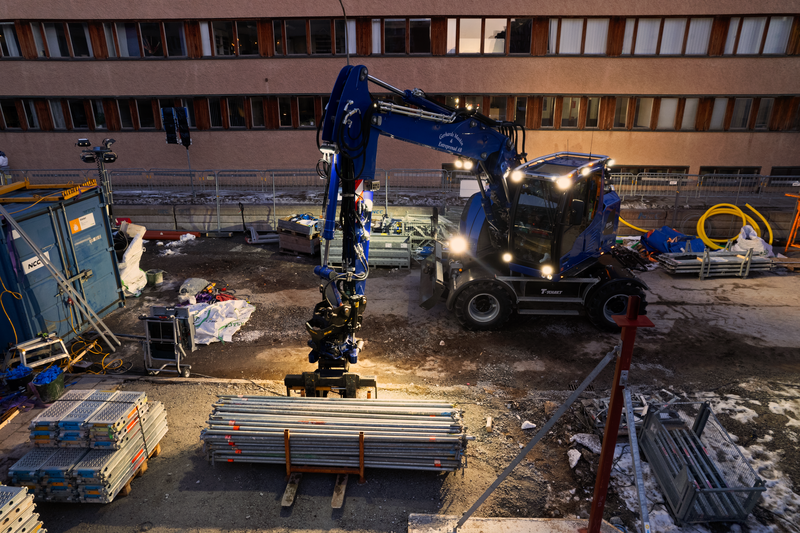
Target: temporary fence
point(395, 184)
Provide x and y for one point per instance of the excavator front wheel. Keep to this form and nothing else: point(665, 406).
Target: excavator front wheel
point(483, 306)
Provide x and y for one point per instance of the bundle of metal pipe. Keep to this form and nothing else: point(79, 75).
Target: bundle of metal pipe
point(18, 512)
point(401, 434)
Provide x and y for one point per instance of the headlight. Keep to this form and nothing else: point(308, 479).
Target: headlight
point(468, 165)
point(547, 270)
point(564, 183)
point(507, 257)
point(516, 176)
point(458, 245)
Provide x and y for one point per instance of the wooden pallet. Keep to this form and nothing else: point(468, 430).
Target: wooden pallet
point(289, 242)
point(141, 470)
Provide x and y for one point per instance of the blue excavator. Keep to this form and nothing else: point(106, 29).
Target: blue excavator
point(538, 238)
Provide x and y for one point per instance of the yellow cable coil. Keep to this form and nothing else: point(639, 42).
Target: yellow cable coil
point(729, 209)
point(631, 225)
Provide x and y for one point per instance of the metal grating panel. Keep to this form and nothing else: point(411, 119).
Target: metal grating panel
point(119, 407)
point(86, 409)
point(33, 460)
point(69, 401)
point(10, 498)
point(64, 458)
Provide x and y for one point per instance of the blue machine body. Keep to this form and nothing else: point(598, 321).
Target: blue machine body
point(76, 237)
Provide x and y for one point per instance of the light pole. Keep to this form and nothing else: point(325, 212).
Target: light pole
point(101, 155)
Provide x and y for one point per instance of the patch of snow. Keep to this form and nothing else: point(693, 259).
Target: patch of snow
point(731, 405)
point(250, 336)
point(574, 456)
point(590, 440)
point(788, 408)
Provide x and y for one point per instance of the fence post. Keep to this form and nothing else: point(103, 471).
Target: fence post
point(386, 193)
point(677, 199)
point(216, 188)
point(274, 208)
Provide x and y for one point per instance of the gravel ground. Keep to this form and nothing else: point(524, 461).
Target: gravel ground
point(730, 340)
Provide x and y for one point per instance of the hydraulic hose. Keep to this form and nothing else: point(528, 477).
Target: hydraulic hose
point(631, 225)
point(729, 209)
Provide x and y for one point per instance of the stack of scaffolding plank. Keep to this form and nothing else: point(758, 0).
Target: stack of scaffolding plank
point(100, 440)
point(18, 512)
point(401, 434)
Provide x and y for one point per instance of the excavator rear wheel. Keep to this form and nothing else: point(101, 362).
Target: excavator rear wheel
point(612, 300)
point(483, 306)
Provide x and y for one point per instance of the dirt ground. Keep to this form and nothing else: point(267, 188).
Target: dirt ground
point(729, 341)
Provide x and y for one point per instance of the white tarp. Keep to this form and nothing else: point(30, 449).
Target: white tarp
point(133, 277)
point(748, 238)
point(219, 321)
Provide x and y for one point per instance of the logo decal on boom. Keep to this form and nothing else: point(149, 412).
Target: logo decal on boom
point(545, 291)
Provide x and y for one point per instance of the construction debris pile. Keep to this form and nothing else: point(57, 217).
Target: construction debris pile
point(325, 432)
point(89, 445)
point(18, 512)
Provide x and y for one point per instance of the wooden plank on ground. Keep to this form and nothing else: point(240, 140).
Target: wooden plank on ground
point(291, 490)
point(338, 491)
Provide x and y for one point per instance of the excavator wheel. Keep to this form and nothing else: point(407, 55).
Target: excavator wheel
point(612, 299)
point(483, 306)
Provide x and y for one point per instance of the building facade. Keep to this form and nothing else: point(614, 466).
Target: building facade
point(678, 86)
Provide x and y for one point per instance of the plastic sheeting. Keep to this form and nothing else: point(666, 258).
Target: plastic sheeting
point(219, 321)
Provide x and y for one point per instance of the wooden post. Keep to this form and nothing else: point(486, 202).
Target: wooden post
point(629, 324)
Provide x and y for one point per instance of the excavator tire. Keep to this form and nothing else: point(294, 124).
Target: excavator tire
point(483, 306)
point(612, 299)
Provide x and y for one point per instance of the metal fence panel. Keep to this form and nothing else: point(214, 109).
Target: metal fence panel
point(417, 178)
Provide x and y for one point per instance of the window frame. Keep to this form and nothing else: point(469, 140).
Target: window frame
point(16, 41)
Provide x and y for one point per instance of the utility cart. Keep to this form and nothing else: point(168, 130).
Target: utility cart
point(169, 337)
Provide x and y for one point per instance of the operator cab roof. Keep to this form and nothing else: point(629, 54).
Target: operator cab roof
point(561, 164)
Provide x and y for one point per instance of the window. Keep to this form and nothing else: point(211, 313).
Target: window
point(305, 107)
point(548, 102)
point(128, 39)
point(647, 36)
point(750, 35)
point(38, 41)
point(188, 103)
point(494, 40)
point(520, 110)
point(596, 36)
point(534, 221)
point(469, 40)
point(451, 101)
point(689, 114)
point(571, 36)
point(321, 42)
point(9, 110)
point(571, 105)
point(151, 39)
point(56, 39)
point(247, 37)
point(236, 117)
point(741, 113)
point(730, 40)
point(377, 41)
point(473, 102)
point(296, 37)
point(9, 45)
point(125, 118)
point(730, 170)
point(341, 35)
point(57, 112)
point(285, 112)
point(108, 33)
point(277, 32)
point(627, 40)
point(699, 35)
point(672, 36)
point(497, 108)
point(642, 113)
point(78, 113)
point(257, 109)
point(452, 24)
point(176, 40)
point(419, 36)
point(621, 113)
point(592, 111)
point(215, 112)
point(718, 113)
point(394, 36)
point(146, 117)
point(764, 113)
point(785, 171)
point(99, 115)
point(520, 31)
point(777, 35)
point(79, 35)
point(223, 38)
point(666, 114)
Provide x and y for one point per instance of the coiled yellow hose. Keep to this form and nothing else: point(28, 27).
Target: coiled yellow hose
point(729, 209)
point(631, 225)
